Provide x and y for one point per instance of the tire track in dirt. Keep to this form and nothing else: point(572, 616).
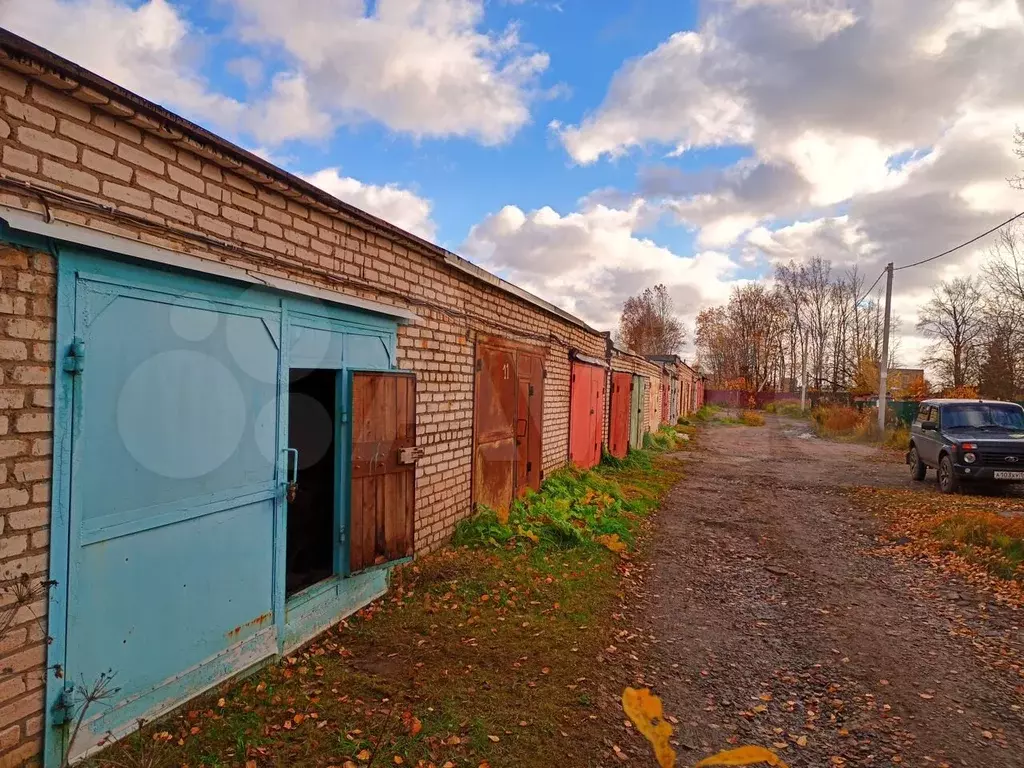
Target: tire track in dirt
point(767, 616)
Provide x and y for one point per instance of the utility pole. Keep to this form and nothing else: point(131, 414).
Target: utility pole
point(803, 375)
point(883, 366)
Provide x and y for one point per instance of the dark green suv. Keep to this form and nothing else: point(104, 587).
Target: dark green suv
point(967, 440)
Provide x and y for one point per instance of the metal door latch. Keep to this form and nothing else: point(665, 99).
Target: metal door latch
point(410, 455)
point(293, 474)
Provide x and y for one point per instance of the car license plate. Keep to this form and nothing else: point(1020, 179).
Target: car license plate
point(1008, 475)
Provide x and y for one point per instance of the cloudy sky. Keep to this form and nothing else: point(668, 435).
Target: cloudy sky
point(586, 149)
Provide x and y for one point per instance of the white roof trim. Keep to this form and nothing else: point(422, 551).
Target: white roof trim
point(24, 221)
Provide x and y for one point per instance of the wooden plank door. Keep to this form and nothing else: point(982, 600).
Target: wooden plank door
point(383, 502)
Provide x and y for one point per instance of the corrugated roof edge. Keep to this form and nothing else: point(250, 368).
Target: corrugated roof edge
point(14, 47)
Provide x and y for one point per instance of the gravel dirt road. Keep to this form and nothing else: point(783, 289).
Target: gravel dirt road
point(769, 614)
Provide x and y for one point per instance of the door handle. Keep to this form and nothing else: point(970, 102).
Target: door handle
point(292, 472)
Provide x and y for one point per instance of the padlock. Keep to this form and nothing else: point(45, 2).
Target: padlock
point(293, 489)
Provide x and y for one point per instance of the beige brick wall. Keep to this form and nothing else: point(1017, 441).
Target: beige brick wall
point(654, 400)
point(26, 427)
point(126, 173)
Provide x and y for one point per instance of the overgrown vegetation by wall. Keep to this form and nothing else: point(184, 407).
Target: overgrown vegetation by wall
point(787, 408)
point(577, 508)
point(840, 422)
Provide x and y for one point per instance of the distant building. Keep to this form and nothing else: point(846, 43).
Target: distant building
point(906, 380)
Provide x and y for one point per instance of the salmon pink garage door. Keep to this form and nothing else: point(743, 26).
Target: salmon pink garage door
point(586, 416)
point(618, 433)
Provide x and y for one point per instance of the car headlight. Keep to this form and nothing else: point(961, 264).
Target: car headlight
point(970, 458)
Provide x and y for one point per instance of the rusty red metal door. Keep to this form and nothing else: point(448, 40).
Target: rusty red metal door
point(664, 400)
point(618, 432)
point(508, 422)
point(494, 446)
point(586, 416)
point(580, 416)
point(529, 426)
point(599, 382)
point(382, 507)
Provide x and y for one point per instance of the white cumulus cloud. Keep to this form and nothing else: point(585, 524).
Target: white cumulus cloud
point(424, 68)
point(390, 202)
point(591, 260)
point(872, 130)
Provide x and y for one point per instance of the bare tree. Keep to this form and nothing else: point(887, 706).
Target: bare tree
point(741, 344)
point(716, 353)
point(649, 325)
point(1018, 141)
point(792, 282)
point(1002, 364)
point(1004, 270)
point(953, 320)
point(820, 311)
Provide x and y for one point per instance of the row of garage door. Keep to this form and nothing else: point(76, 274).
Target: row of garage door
point(509, 430)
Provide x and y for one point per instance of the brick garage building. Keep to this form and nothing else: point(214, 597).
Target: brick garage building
point(201, 336)
point(682, 387)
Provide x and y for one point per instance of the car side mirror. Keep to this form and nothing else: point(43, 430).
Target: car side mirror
point(930, 426)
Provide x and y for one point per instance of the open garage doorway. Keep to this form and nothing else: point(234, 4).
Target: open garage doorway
point(313, 487)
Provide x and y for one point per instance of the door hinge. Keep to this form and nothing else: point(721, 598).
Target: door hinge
point(74, 358)
point(531, 390)
point(529, 467)
point(542, 474)
point(63, 707)
point(342, 537)
point(343, 417)
point(479, 365)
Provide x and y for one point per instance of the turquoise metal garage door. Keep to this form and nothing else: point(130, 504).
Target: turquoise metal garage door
point(173, 460)
point(173, 488)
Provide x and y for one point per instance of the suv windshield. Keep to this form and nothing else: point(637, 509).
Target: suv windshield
point(983, 415)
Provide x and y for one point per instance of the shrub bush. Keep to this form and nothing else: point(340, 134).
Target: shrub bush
point(837, 420)
point(897, 438)
point(752, 419)
point(574, 507)
point(789, 408)
point(706, 413)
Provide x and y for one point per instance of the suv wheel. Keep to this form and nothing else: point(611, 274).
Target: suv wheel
point(917, 467)
point(948, 481)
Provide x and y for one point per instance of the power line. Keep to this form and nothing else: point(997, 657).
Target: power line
point(962, 245)
point(869, 290)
